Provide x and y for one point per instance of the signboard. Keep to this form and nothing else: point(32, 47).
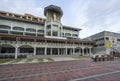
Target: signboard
point(108, 44)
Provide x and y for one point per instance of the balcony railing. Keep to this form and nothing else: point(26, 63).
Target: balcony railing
point(39, 43)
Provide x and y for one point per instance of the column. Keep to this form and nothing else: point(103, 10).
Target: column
point(16, 52)
point(34, 50)
point(90, 52)
point(45, 51)
point(50, 51)
point(51, 28)
point(45, 29)
point(61, 31)
point(79, 51)
point(73, 50)
point(82, 51)
point(0, 49)
point(58, 51)
point(66, 51)
point(58, 31)
point(36, 31)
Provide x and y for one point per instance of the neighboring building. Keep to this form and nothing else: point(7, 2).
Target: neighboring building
point(24, 35)
point(106, 42)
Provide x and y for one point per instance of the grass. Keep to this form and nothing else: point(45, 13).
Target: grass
point(50, 59)
point(40, 59)
point(16, 60)
point(81, 57)
point(28, 60)
point(6, 60)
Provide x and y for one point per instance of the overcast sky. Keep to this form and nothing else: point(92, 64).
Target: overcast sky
point(92, 16)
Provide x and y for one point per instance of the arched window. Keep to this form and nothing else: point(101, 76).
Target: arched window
point(5, 27)
point(67, 34)
point(18, 28)
point(75, 35)
point(40, 31)
point(30, 30)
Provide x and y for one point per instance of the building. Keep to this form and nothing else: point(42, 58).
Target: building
point(106, 42)
point(24, 35)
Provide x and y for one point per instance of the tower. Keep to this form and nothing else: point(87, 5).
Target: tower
point(53, 26)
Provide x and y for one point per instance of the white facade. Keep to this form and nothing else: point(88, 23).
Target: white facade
point(102, 39)
point(24, 35)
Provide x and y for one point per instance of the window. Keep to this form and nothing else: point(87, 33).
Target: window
point(18, 28)
point(55, 33)
point(30, 30)
point(49, 33)
point(30, 34)
point(118, 39)
point(75, 35)
point(4, 27)
point(48, 27)
point(67, 34)
point(40, 31)
point(107, 38)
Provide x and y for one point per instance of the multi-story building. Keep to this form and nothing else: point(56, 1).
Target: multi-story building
point(106, 42)
point(31, 35)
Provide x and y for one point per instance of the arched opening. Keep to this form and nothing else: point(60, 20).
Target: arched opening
point(7, 51)
point(18, 28)
point(86, 51)
point(78, 50)
point(5, 27)
point(26, 50)
point(30, 30)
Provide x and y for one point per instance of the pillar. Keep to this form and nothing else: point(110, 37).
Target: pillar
point(16, 52)
point(89, 51)
point(45, 29)
point(73, 50)
point(66, 51)
point(34, 50)
point(51, 29)
point(0, 49)
point(82, 51)
point(50, 51)
point(45, 51)
point(58, 51)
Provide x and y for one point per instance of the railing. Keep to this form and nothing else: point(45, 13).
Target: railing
point(39, 43)
point(12, 55)
point(7, 53)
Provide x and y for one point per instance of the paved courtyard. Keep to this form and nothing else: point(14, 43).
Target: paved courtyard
point(75, 70)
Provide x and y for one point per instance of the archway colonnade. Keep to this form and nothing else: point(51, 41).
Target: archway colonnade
point(6, 49)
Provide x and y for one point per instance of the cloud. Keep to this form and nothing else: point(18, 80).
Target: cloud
point(21, 7)
point(94, 16)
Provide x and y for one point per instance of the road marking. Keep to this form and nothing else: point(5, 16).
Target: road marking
point(98, 75)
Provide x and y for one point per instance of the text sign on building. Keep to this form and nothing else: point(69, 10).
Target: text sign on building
point(108, 44)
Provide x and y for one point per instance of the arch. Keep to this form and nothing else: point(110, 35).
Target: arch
point(6, 48)
point(7, 51)
point(78, 50)
point(74, 35)
point(40, 31)
point(26, 46)
point(5, 27)
point(86, 50)
point(26, 49)
point(18, 28)
point(5, 45)
point(31, 30)
point(67, 34)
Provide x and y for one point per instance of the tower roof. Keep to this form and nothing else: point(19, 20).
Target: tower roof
point(53, 8)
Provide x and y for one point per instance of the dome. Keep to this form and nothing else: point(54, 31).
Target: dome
point(53, 8)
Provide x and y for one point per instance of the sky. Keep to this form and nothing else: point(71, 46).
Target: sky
point(92, 16)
